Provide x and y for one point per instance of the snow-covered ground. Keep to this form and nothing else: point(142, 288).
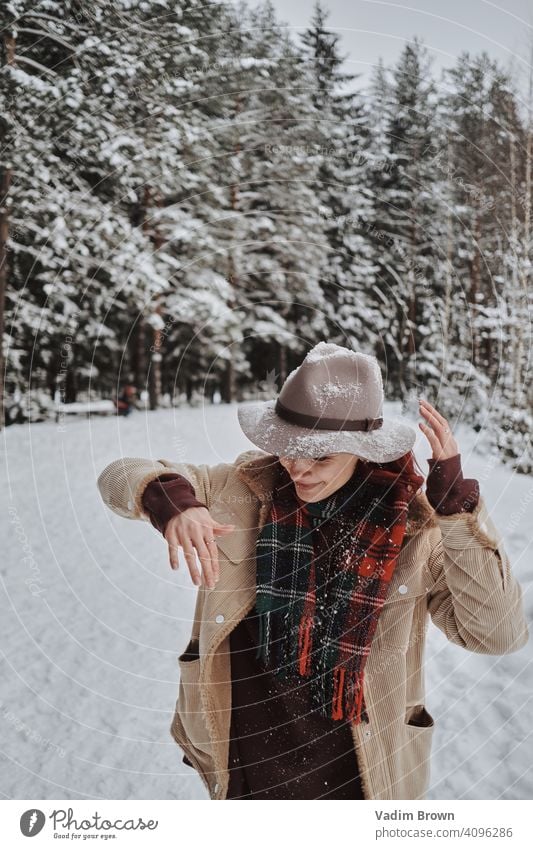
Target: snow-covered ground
point(93, 620)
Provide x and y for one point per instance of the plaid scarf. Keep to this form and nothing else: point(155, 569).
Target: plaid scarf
point(318, 614)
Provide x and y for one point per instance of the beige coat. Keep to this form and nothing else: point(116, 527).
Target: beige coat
point(452, 569)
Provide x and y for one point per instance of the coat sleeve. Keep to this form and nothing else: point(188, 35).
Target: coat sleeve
point(122, 483)
point(475, 600)
point(168, 496)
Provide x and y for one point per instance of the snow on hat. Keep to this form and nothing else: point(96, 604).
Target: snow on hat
point(331, 403)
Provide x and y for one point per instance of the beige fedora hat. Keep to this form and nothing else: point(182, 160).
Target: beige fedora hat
point(331, 403)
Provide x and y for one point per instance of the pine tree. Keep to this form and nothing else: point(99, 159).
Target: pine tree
point(407, 217)
point(268, 231)
point(195, 200)
point(339, 142)
point(491, 253)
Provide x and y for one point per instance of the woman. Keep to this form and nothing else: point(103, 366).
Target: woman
point(321, 560)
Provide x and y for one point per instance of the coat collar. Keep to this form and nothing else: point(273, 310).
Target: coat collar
point(258, 470)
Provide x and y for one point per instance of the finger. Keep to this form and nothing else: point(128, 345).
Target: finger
point(436, 424)
point(205, 559)
point(222, 529)
point(431, 409)
point(173, 549)
point(432, 438)
point(447, 440)
point(190, 557)
point(213, 551)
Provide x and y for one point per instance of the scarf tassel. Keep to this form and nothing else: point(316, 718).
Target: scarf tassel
point(349, 705)
point(338, 688)
point(305, 632)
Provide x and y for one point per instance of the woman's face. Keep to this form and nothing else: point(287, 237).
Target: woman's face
point(315, 479)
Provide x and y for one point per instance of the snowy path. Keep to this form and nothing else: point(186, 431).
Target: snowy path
point(93, 620)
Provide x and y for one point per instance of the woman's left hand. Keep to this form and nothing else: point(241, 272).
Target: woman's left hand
point(437, 431)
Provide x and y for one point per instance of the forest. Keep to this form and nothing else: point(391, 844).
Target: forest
point(193, 196)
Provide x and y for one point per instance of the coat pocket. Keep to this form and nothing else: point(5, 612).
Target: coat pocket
point(419, 717)
point(418, 730)
point(192, 652)
point(189, 704)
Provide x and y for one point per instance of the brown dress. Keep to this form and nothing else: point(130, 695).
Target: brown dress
point(280, 746)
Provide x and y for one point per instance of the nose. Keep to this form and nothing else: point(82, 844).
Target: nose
point(298, 468)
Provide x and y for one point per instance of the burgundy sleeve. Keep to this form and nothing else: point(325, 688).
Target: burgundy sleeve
point(167, 496)
point(446, 489)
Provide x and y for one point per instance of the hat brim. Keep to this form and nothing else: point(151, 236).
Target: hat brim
point(268, 431)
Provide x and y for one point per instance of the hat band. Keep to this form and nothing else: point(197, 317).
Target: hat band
point(324, 423)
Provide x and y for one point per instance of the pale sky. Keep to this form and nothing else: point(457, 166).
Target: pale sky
point(373, 28)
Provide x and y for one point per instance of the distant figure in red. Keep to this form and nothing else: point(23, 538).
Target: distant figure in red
point(126, 400)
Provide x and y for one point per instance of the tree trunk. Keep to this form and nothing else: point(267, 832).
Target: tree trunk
point(448, 283)
point(5, 179)
point(475, 287)
point(139, 355)
point(157, 353)
point(155, 365)
point(71, 382)
point(282, 363)
point(228, 384)
point(228, 389)
point(5, 182)
point(522, 299)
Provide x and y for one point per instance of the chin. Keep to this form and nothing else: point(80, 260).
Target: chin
point(314, 497)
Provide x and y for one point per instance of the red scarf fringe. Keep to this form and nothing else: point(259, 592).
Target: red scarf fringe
point(305, 633)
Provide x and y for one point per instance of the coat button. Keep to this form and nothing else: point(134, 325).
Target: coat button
point(368, 733)
point(402, 589)
point(219, 617)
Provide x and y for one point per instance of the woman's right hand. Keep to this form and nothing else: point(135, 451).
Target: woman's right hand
point(194, 528)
